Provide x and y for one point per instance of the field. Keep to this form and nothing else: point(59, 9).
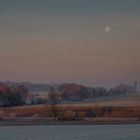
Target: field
point(124, 106)
point(128, 100)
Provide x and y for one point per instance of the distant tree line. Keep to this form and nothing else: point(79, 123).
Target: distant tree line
point(12, 95)
point(75, 91)
point(101, 91)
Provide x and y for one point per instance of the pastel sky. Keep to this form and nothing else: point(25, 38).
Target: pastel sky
point(91, 42)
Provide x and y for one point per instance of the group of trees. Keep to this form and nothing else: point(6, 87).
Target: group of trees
point(75, 91)
point(12, 95)
point(101, 91)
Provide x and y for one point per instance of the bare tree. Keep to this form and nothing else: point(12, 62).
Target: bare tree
point(1, 114)
point(53, 102)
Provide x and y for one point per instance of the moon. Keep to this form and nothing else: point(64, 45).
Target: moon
point(107, 29)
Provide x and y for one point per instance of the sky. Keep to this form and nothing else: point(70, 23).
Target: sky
point(91, 42)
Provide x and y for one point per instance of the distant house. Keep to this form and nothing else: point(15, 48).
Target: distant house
point(31, 99)
point(35, 99)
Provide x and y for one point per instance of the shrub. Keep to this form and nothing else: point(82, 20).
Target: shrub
point(81, 115)
point(13, 116)
point(67, 115)
point(35, 117)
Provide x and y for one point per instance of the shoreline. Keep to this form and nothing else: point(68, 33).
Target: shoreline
point(45, 122)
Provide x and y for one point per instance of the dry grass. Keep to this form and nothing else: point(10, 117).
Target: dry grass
point(101, 111)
